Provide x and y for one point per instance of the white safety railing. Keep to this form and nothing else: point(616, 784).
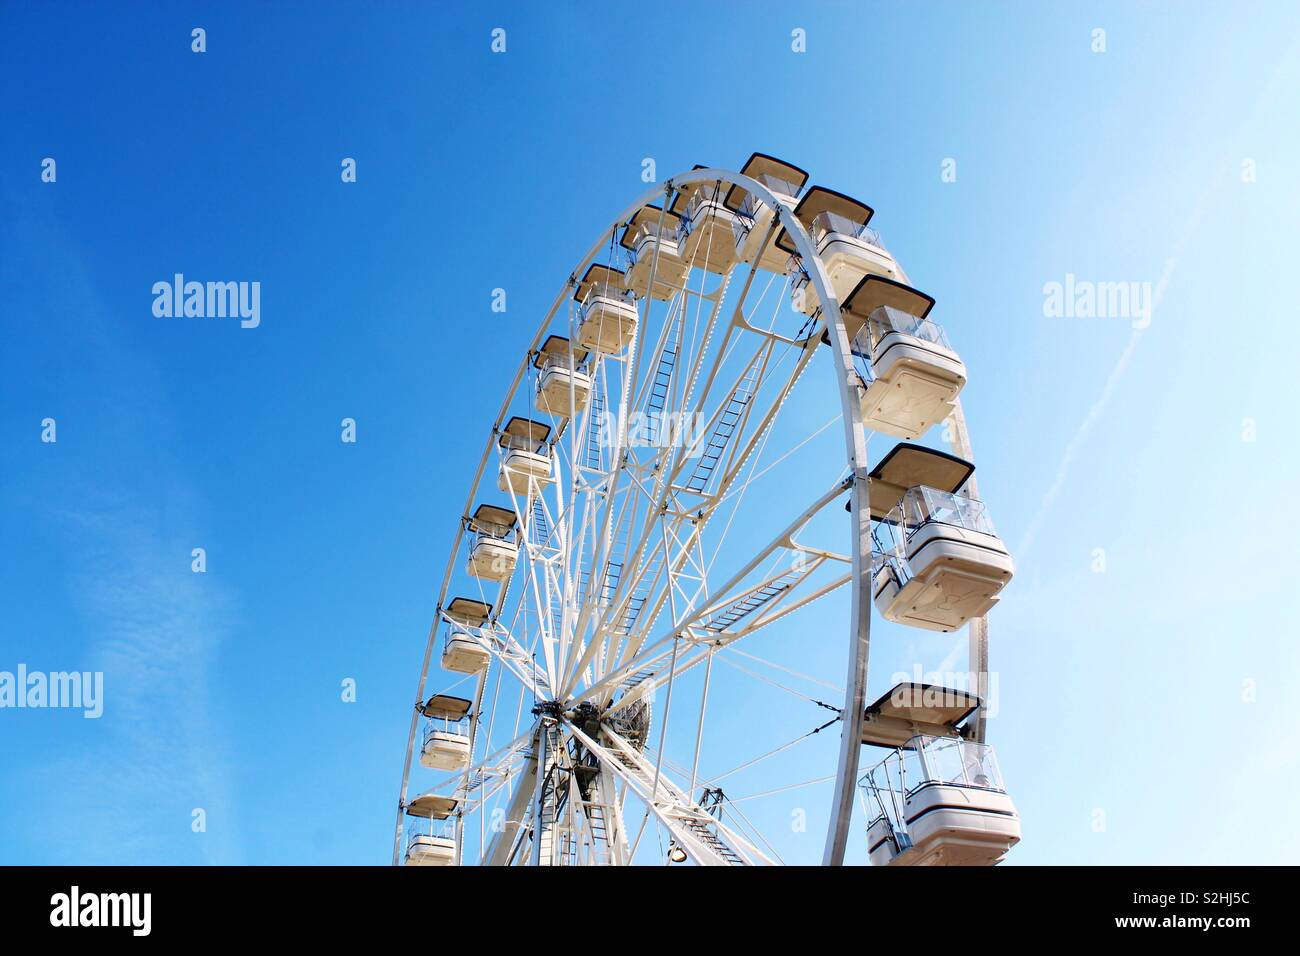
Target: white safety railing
point(922, 761)
point(921, 506)
point(446, 725)
point(647, 237)
point(827, 223)
point(884, 321)
point(430, 829)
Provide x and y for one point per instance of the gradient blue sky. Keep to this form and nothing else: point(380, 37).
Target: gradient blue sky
point(1120, 692)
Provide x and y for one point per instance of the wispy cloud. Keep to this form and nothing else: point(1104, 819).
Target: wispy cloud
point(1191, 224)
point(131, 779)
point(159, 752)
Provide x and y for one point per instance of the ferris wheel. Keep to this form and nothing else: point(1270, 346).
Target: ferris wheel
point(655, 537)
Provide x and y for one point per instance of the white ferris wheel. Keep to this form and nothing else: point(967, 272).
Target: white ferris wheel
point(657, 502)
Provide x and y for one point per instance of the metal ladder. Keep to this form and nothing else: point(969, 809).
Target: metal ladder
point(615, 559)
point(551, 800)
point(710, 839)
point(735, 407)
point(639, 677)
point(698, 822)
point(541, 531)
point(744, 607)
point(663, 378)
point(556, 611)
point(609, 582)
point(502, 768)
point(509, 652)
point(641, 592)
point(595, 427)
point(599, 829)
point(591, 801)
point(596, 815)
point(640, 596)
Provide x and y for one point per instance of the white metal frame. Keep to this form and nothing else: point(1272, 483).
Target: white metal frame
point(553, 667)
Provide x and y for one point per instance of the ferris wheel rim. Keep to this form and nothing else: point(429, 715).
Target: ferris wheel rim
point(855, 444)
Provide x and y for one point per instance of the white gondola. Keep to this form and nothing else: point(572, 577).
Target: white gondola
point(650, 239)
point(493, 549)
point(431, 834)
point(939, 801)
point(526, 458)
point(707, 236)
point(847, 246)
point(563, 385)
point(937, 561)
point(446, 735)
point(754, 227)
point(607, 315)
point(460, 651)
point(437, 848)
point(910, 373)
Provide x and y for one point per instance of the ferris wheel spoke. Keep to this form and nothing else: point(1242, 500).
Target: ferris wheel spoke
point(692, 625)
point(632, 591)
point(743, 450)
point(659, 670)
point(545, 794)
point(497, 766)
point(539, 592)
point(506, 836)
point(507, 651)
point(735, 332)
point(703, 837)
point(563, 812)
point(605, 810)
point(498, 769)
point(775, 613)
point(747, 826)
point(639, 575)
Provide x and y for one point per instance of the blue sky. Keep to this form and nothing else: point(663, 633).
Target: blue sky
point(1156, 697)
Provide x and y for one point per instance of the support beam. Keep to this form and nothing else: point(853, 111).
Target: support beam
point(683, 819)
point(498, 853)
